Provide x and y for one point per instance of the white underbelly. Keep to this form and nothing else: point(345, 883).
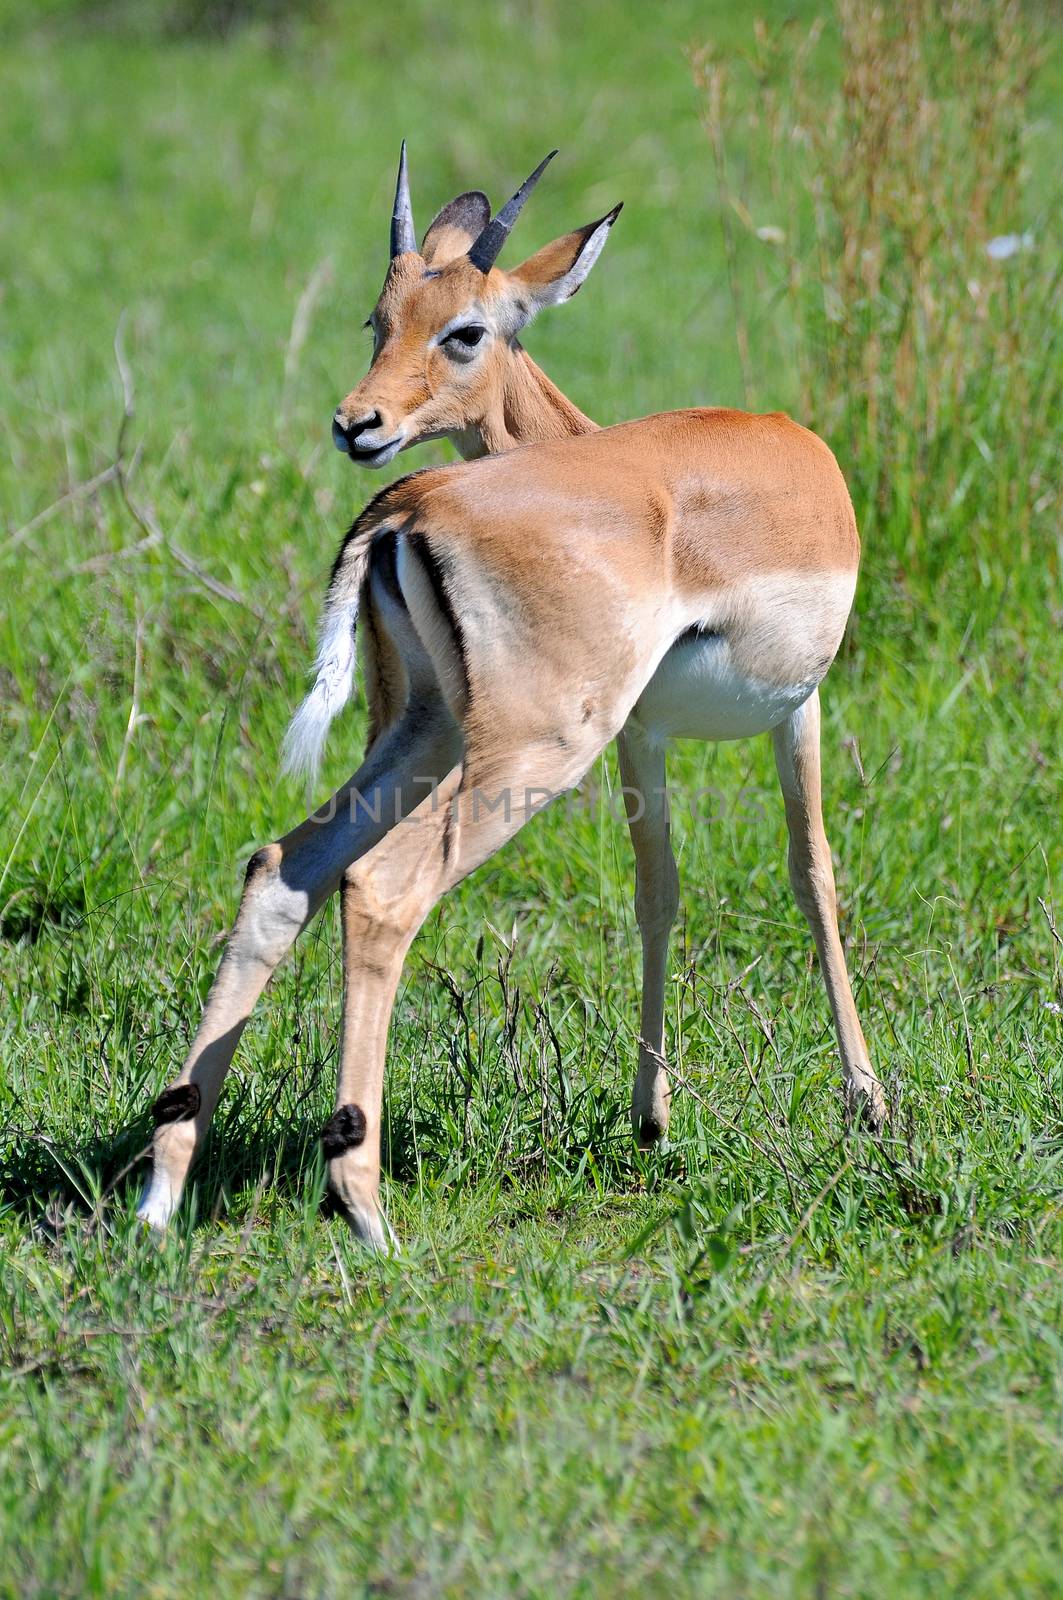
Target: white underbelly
point(698, 692)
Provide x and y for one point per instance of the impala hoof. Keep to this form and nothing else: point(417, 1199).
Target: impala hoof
point(865, 1106)
point(368, 1224)
point(157, 1204)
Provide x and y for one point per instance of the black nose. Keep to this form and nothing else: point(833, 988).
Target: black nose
point(345, 434)
point(365, 425)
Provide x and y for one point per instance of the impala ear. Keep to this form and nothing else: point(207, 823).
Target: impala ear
point(452, 232)
point(555, 272)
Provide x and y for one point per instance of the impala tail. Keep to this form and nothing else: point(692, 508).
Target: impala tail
point(334, 666)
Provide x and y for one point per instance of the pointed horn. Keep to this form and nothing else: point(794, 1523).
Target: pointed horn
point(484, 252)
point(403, 232)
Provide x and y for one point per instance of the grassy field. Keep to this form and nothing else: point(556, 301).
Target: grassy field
point(770, 1359)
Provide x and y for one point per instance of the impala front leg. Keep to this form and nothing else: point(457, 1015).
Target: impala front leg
point(796, 744)
point(642, 771)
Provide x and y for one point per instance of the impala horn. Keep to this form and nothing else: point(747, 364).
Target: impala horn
point(403, 232)
point(484, 251)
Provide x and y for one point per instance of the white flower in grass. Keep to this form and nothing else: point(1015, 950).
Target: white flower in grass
point(1006, 245)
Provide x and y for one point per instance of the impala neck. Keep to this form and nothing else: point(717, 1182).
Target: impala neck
point(527, 409)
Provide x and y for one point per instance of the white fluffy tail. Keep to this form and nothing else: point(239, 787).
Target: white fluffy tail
point(336, 657)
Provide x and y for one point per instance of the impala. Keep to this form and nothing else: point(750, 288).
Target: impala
point(687, 575)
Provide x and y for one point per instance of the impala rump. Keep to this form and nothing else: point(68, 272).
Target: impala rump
point(724, 648)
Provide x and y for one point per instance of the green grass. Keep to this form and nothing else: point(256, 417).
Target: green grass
point(769, 1360)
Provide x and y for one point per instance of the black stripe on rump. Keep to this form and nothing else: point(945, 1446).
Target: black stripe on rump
point(433, 567)
point(386, 568)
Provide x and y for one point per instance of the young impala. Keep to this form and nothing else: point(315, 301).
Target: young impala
point(687, 575)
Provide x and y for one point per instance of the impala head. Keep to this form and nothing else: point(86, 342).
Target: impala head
point(445, 326)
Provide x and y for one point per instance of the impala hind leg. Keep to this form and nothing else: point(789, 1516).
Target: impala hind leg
point(386, 896)
point(287, 883)
point(642, 771)
point(797, 758)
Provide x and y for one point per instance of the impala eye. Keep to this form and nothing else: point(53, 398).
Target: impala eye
point(466, 337)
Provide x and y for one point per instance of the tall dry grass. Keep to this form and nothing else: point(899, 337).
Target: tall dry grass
point(913, 289)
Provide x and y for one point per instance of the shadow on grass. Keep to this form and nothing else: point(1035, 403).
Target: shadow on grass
point(245, 1151)
point(39, 1176)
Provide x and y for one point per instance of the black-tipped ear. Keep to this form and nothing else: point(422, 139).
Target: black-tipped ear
point(558, 270)
point(452, 232)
